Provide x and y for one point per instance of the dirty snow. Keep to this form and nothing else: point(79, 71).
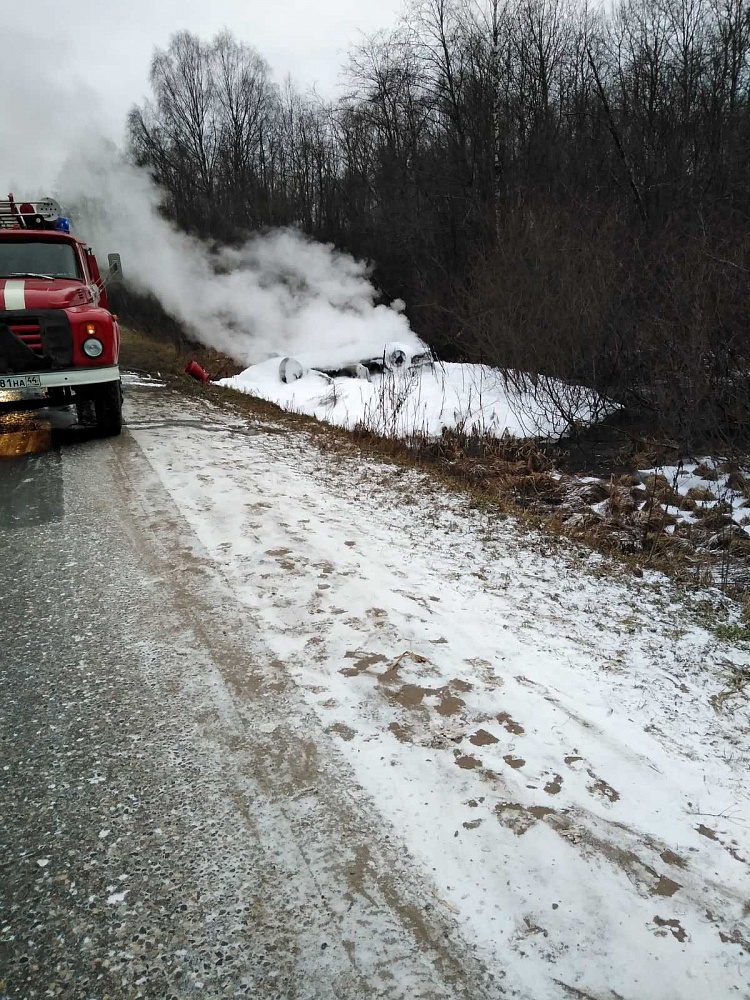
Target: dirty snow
point(141, 380)
point(420, 400)
point(562, 750)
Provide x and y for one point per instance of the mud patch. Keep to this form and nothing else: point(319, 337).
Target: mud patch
point(467, 762)
point(363, 661)
point(554, 785)
point(520, 819)
point(391, 675)
point(510, 724)
point(665, 887)
point(450, 705)
point(706, 831)
point(278, 553)
point(735, 938)
point(409, 695)
point(602, 789)
point(670, 858)
point(402, 733)
point(733, 852)
point(460, 685)
point(481, 738)
point(514, 762)
point(638, 872)
point(671, 926)
point(342, 730)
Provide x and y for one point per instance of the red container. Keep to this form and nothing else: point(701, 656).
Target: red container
point(196, 372)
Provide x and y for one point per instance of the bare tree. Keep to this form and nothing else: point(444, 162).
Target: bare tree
point(556, 188)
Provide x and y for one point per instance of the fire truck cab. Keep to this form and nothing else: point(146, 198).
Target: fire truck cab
point(59, 342)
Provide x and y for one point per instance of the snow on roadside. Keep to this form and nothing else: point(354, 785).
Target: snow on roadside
point(140, 380)
point(421, 400)
point(540, 735)
point(706, 487)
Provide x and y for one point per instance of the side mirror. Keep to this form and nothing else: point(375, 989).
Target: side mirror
point(114, 274)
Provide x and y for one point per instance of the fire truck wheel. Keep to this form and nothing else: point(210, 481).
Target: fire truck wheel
point(107, 400)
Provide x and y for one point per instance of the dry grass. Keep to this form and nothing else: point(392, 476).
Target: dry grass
point(144, 354)
point(503, 474)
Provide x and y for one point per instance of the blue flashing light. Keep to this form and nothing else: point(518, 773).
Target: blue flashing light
point(63, 225)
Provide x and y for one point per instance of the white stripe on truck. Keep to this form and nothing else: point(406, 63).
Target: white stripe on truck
point(15, 294)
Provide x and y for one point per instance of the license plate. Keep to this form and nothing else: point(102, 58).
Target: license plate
point(20, 382)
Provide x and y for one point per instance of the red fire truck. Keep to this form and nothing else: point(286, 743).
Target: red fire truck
point(59, 343)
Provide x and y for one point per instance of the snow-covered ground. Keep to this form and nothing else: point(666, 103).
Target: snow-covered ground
point(711, 489)
point(558, 747)
point(420, 400)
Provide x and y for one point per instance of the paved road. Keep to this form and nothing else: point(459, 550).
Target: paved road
point(174, 822)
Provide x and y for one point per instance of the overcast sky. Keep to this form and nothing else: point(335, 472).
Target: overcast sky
point(72, 64)
point(108, 44)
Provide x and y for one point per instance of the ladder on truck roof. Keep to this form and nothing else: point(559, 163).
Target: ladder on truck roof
point(42, 214)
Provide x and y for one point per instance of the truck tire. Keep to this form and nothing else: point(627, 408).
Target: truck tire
point(107, 400)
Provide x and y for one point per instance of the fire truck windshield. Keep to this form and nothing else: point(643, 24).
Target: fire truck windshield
point(38, 259)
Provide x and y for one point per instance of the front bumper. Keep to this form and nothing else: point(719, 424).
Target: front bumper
point(72, 377)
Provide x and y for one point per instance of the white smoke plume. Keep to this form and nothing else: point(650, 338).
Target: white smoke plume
point(279, 294)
